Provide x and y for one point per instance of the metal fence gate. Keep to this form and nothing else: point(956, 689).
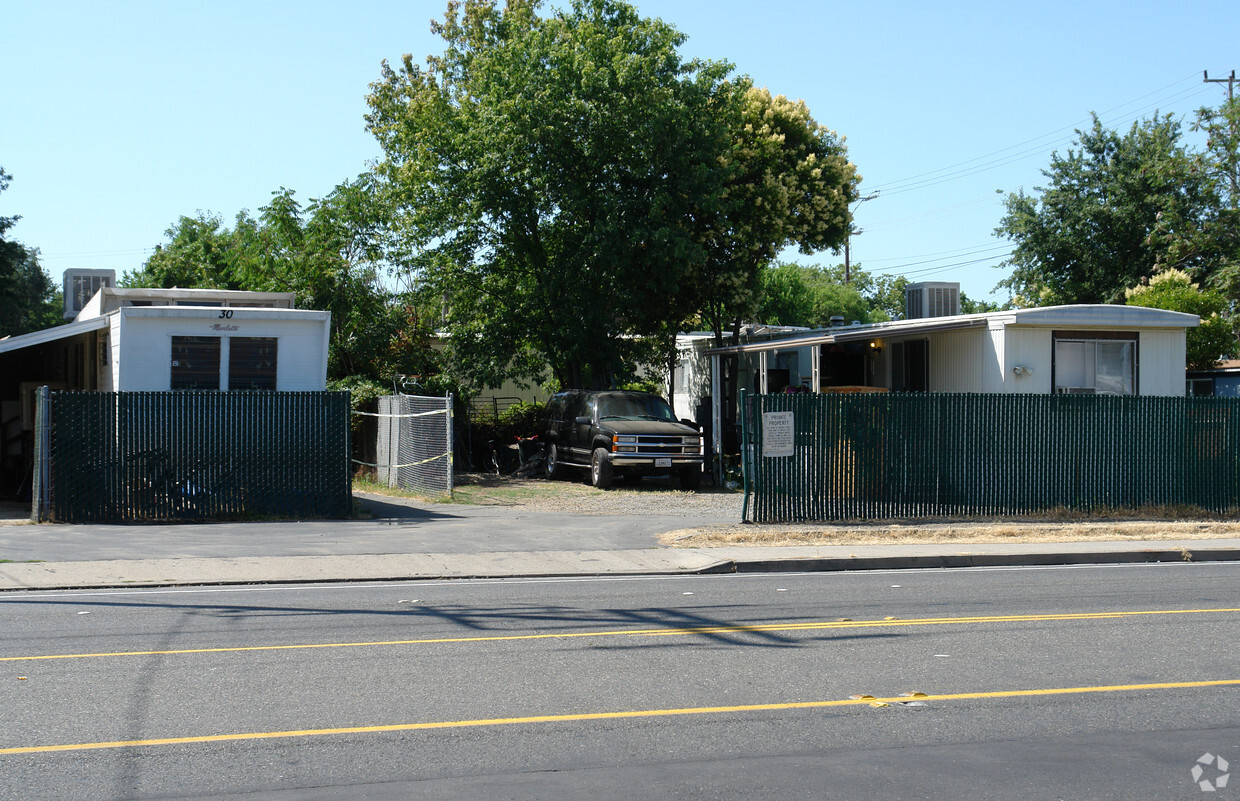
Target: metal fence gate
point(414, 444)
point(838, 457)
point(169, 456)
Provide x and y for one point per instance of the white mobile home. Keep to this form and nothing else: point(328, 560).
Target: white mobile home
point(1087, 349)
point(124, 340)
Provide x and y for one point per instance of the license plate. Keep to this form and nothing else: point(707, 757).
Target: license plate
point(664, 462)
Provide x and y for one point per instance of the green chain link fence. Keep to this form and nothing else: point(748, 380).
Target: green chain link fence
point(842, 457)
point(165, 456)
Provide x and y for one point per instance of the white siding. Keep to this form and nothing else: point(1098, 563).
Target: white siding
point(1160, 363)
point(963, 361)
point(109, 382)
point(1028, 348)
point(696, 384)
point(1160, 360)
point(142, 346)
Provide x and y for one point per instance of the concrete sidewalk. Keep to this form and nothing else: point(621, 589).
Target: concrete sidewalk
point(407, 540)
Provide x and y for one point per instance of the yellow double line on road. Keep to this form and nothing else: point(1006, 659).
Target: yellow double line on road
point(660, 632)
point(640, 713)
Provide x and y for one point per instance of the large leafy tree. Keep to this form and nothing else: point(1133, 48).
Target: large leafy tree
point(1208, 246)
point(28, 296)
point(1088, 234)
point(788, 182)
point(551, 168)
point(578, 192)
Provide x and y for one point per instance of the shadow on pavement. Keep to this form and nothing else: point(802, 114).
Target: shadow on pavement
point(394, 509)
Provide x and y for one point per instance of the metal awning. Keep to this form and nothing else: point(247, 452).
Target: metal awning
point(52, 334)
point(857, 333)
point(1083, 316)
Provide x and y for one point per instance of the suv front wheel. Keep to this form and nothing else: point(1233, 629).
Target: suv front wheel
point(600, 468)
point(551, 463)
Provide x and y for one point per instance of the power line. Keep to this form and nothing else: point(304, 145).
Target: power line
point(1023, 150)
point(935, 213)
point(942, 268)
point(1030, 147)
point(929, 258)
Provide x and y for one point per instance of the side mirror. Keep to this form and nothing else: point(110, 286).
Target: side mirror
point(583, 421)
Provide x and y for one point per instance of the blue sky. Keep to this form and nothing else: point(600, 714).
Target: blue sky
point(121, 117)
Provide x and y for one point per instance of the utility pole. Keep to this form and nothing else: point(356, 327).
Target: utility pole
point(1229, 80)
point(852, 229)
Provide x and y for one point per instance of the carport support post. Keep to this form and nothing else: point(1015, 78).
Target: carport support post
point(815, 368)
point(42, 441)
point(716, 418)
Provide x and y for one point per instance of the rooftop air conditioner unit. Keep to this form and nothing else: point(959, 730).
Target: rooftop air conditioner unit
point(931, 299)
point(81, 285)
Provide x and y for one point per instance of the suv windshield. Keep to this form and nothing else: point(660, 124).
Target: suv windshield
point(634, 407)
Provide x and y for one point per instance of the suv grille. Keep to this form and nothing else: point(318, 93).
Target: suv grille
point(651, 445)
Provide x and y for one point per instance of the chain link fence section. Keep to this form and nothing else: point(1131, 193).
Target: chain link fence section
point(413, 450)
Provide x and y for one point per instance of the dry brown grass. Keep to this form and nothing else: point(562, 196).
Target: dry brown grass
point(971, 531)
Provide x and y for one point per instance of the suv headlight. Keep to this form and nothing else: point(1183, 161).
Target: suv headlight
point(627, 439)
point(693, 442)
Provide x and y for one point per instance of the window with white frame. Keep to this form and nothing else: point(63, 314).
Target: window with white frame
point(1095, 363)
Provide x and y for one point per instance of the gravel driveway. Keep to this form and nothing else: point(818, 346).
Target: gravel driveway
point(652, 496)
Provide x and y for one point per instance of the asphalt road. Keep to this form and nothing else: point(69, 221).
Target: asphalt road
point(1074, 683)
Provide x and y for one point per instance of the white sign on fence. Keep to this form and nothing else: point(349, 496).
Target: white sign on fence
point(777, 434)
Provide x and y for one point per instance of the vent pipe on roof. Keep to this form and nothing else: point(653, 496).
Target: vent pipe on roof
point(837, 321)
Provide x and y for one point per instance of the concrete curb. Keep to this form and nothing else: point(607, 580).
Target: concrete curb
point(188, 572)
point(839, 564)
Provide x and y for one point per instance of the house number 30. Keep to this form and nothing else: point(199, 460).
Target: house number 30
point(226, 314)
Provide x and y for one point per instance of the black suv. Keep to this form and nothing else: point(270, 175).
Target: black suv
point(619, 433)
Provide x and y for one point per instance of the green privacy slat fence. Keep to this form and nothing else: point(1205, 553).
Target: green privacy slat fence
point(145, 456)
point(924, 455)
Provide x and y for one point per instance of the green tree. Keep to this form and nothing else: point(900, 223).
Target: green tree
point(1173, 290)
point(793, 294)
point(1208, 247)
point(200, 253)
point(29, 300)
point(970, 306)
point(549, 169)
point(1086, 236)
point(578, 192)
point(333, 254)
